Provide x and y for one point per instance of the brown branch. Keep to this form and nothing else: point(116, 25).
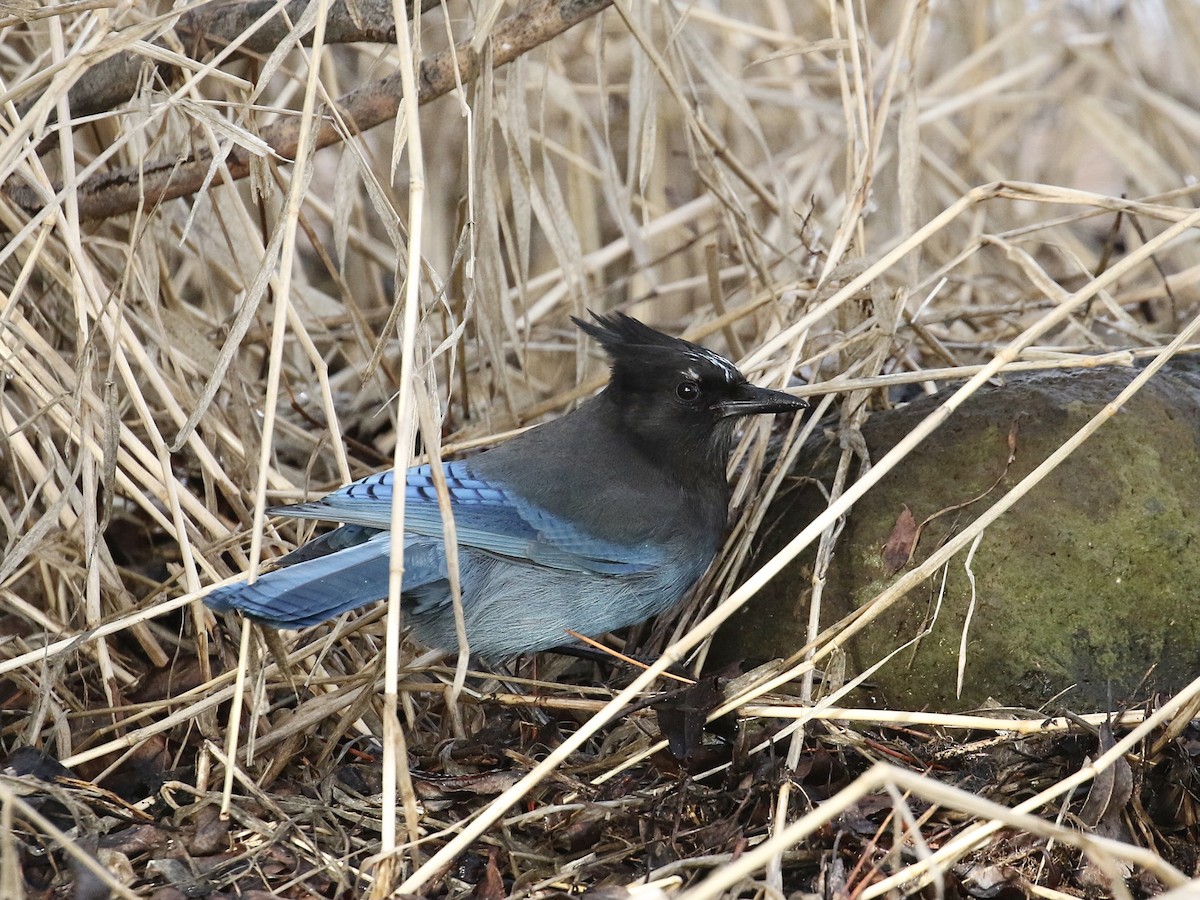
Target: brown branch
point(115, 80)
point(370, 20)
point(121, 191)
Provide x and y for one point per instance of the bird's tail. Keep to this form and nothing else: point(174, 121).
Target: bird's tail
point(314, 590)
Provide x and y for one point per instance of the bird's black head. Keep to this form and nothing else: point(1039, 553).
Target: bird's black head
point(677, 401)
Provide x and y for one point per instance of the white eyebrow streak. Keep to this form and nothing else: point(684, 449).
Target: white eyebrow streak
point(728, 369)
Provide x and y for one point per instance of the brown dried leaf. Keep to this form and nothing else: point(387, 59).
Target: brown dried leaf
point(582, 832)
point(491, 885)
point(1110, 791)
point(136, 840)
point(901, 542)
point(681, 718)
point(485, 784)
point(212, 833)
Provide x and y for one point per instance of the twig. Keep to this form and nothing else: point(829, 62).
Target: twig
point(124, 190)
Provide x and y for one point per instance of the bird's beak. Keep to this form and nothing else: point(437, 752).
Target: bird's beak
point(752, 400)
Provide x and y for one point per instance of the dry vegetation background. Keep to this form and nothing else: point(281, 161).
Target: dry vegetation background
point(844, 195)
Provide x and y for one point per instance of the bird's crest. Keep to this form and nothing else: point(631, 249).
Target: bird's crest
point(625, 339)
point(619, 332)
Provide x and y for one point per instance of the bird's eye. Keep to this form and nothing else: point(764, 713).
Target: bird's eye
point(687, 391)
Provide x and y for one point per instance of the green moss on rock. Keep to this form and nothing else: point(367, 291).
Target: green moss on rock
point(1087, 586)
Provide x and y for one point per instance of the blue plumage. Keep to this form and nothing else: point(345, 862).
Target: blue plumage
point(592, 522)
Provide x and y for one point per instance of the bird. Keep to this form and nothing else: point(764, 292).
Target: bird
point(589, 523)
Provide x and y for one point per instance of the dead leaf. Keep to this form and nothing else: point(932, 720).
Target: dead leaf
point(582, 832)
point(482, 784)
point(211, 834)
point(681, 717)
point(1014, 430)
point(901, 542)
point(1109, 793)
point(491, 885)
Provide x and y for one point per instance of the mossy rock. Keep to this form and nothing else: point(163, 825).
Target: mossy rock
point(1086, 588)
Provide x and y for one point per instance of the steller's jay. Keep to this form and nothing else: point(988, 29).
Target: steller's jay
point(591, 522)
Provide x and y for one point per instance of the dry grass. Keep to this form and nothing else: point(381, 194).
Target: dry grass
point(926, 195)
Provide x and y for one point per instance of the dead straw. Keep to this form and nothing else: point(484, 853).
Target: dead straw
point(218, 290)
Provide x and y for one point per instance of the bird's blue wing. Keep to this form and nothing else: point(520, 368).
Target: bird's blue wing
point(334, 577)
point(487, 516)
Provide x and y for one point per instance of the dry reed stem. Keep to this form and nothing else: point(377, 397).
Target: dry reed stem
point(783, 155)
point(156, 182)
point(883, 776)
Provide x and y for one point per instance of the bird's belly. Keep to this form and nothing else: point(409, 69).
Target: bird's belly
point(509, 609)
